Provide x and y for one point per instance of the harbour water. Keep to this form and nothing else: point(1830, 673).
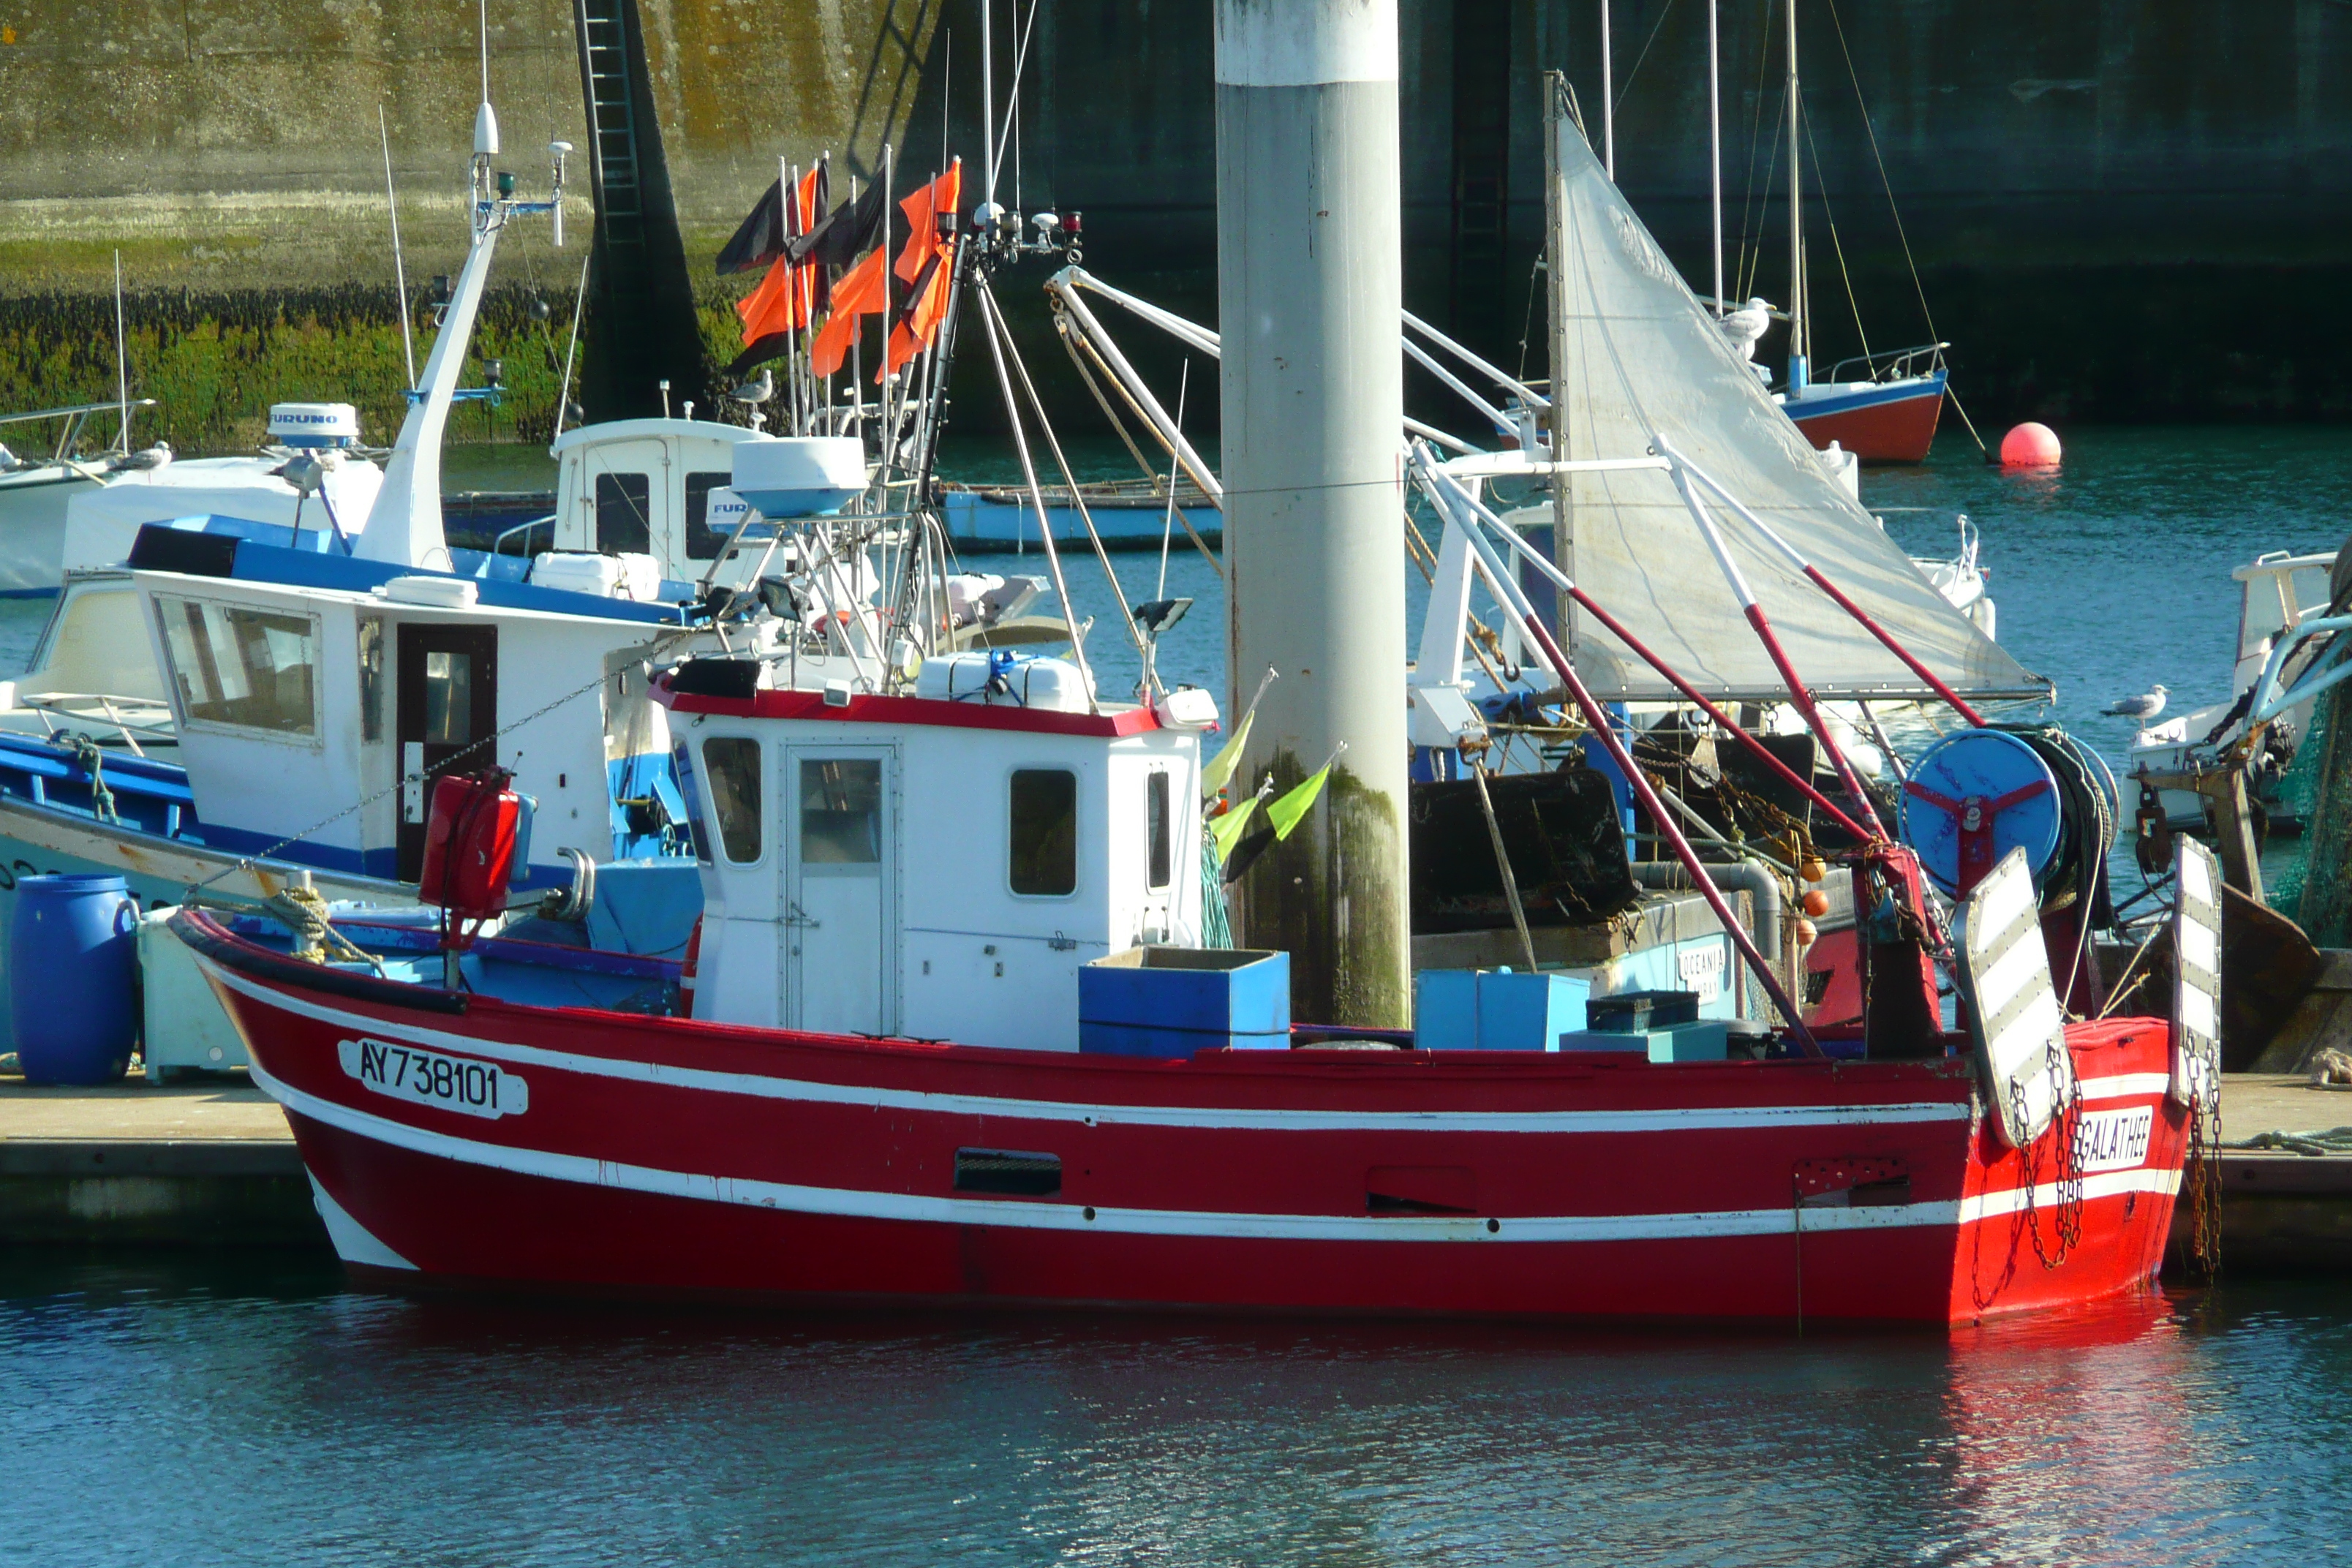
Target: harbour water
point(256, 1409)
point(254, 1413)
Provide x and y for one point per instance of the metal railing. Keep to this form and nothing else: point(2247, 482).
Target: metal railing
point(1894, 364)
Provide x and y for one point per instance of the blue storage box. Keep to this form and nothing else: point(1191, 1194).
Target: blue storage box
point(1709, 1040)
point(1496, 1009)
point(1446, 1010)
point(1173, 1001)
point(1614, 1042)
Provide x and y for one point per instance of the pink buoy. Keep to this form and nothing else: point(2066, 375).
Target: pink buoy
point(2030, 446)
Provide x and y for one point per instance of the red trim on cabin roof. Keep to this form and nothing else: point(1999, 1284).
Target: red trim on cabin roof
point(866, 710)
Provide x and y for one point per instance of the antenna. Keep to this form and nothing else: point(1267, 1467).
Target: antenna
point(399, 267)
point(483, 8)
point(579, 299)
point(121, 363)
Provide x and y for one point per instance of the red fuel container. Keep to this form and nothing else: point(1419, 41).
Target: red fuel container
point(469, 844)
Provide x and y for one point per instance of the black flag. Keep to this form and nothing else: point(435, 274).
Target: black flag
point(846, 232)
point(775, 345)
point(760, 239)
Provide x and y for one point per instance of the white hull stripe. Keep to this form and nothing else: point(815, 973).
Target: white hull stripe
point(2126, 1085)
point(852, 1204)
point(866, 1097)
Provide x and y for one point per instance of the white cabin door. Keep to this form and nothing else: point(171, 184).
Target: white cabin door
point(840, 912)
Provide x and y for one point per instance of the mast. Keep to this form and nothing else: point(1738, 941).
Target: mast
point(987, 104)
point(1715, 148)
point(1608, 101)
point(1313, 395)
point(1798, 368)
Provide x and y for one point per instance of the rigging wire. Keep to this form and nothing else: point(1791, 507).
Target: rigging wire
point(1837, 246)
point(1627, 85)
point(1871, 134)
point(1749, 260)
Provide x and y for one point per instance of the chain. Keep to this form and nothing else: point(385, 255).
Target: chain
point(2067, 1222)
point(2202, 1174)
point(448, 764)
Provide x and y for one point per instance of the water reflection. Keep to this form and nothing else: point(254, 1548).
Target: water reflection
point(296, 1419)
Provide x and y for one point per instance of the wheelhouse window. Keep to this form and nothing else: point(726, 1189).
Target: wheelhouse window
point(733, 764)
point(1156, 829)
point(840, 812)
point(624, 513)
point(703, 541)
point(254, 669)
point(1044, 832)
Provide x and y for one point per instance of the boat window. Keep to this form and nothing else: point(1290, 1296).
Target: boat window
point(840, 812)
point(371, 631)
point(448, 698)
point(703, 543)
point(624, 513)
point(733, 764)
point(1156, 828)
point(255, 668)
point(1044, 832)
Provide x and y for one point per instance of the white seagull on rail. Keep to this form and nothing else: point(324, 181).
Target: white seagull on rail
point(2140, 708)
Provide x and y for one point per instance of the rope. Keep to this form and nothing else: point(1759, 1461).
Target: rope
point(2334, 1140)
point(86, 751)
point(448, 765)
point(1216, 919)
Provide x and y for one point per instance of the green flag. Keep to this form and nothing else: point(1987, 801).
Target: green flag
point(1227, 829)
point(1219, 769)
point(1286, 812)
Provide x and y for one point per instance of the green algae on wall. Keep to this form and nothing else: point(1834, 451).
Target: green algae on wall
point(216, 362)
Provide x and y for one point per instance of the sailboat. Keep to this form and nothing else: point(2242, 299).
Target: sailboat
point(1888, 412)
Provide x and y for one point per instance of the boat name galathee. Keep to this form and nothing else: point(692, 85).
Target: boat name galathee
point(452, 1083)
point(2113, 1140)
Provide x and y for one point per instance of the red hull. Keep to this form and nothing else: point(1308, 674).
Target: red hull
point(671, 1157)
point(1898, 431)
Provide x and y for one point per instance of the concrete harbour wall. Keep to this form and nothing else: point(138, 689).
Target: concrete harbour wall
point(2120, 208)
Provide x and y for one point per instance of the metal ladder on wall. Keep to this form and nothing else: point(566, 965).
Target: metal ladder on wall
point(1481, 167)
point(612, 133)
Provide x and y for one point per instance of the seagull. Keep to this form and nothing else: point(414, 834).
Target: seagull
point(154, 457)
point(758, 391)
point(2140, 708)
point(1746, 325)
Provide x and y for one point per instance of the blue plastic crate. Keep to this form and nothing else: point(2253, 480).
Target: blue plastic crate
point(1173, 1001)
point(1496, 1009)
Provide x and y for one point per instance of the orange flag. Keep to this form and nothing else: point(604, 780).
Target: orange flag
point(923, 209)
point(859, 293)
point(785, 299)
point(919, 323)
point(769, 308)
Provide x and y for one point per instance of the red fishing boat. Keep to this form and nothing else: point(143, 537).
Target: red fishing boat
point(806, 1144)
point(960, 1027)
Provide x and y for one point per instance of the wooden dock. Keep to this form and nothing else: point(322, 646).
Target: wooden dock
point(212, 1165)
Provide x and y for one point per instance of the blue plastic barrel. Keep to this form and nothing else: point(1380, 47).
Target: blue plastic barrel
point(73, 962)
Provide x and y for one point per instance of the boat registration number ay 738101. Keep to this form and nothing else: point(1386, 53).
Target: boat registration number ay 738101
point(430, 1077)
